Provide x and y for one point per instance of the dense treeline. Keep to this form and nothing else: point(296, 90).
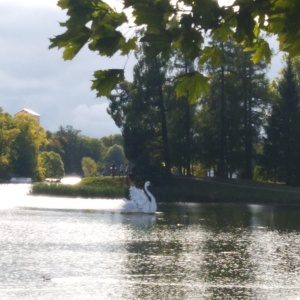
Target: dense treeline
point(27, 150)
point(281, 161)
point(74, 147)
point(241, 127)
point(244, 126)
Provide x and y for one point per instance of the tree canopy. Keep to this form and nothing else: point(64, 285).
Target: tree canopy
point(27, 144)
point(51, 164)
point(281, 144)
point(184, 25)
point(8, 135)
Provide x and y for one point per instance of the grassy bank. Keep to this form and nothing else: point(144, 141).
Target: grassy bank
point(94, 187)
point(227, 190)
point(179, 190)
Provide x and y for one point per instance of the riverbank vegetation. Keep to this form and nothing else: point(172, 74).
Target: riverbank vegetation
point(214, 190)
point(27, 150)
point(200, 93)
point(244, 126)
point(179, 189)
point(94, 187)
point(170, 135)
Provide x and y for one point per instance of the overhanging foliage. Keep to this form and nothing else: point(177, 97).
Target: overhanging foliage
point(182, 25)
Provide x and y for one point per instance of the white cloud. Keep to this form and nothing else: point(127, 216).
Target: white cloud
point(45, 3)
point(34, 77)
point(93, 118)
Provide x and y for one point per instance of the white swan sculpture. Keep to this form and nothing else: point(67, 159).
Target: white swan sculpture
point(141, 201)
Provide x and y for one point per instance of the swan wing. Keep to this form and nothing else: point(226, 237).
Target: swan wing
point(134, 193)
point(137, 195)
point(129, 206)
point(139, 201)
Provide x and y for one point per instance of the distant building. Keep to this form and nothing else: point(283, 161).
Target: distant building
point(29, 111)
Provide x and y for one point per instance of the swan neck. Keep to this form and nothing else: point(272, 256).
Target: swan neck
point(147, 193)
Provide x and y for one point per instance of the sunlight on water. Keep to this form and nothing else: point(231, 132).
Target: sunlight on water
point(17, 195)
point(89, 250)
point(70, 180)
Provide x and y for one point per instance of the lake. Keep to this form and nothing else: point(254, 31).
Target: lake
point(90, 250)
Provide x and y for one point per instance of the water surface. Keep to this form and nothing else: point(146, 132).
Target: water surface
point(187, 251)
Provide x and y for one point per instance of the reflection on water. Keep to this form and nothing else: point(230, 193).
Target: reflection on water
point(187, 251)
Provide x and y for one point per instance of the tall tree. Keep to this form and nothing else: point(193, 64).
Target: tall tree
point(89, 167)
point(282, 144)
point(151, 85)
point(115, 154)
point(8, 135)
point(68, 138)
point(52, 165)
point(181, 115)
point(253, 86)
point(139, 110)
point(111, 140)
point(27, 146)
point(235, 102)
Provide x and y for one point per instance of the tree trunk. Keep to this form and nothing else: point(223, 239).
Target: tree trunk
point(164, 130)
point(222, 167)
point(187, 137)
point(248, 123)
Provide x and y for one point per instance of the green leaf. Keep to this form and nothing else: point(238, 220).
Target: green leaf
point(213, 54)
point(261, 51)
point(157, 42)
point(106, 80)
point(107, 43)
point(154, 14)
point(256, 31)
point(63, 4)
point(223, 33)
point(294, 48)
point(129, 45)
point(189, 42)
point(72, 44)
point(191, 85)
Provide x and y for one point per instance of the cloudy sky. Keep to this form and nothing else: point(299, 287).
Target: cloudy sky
point(33, 77)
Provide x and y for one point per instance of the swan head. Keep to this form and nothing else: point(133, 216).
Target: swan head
point(147, 183)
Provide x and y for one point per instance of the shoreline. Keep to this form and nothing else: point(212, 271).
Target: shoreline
point(235, 191)
point(180, 190)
